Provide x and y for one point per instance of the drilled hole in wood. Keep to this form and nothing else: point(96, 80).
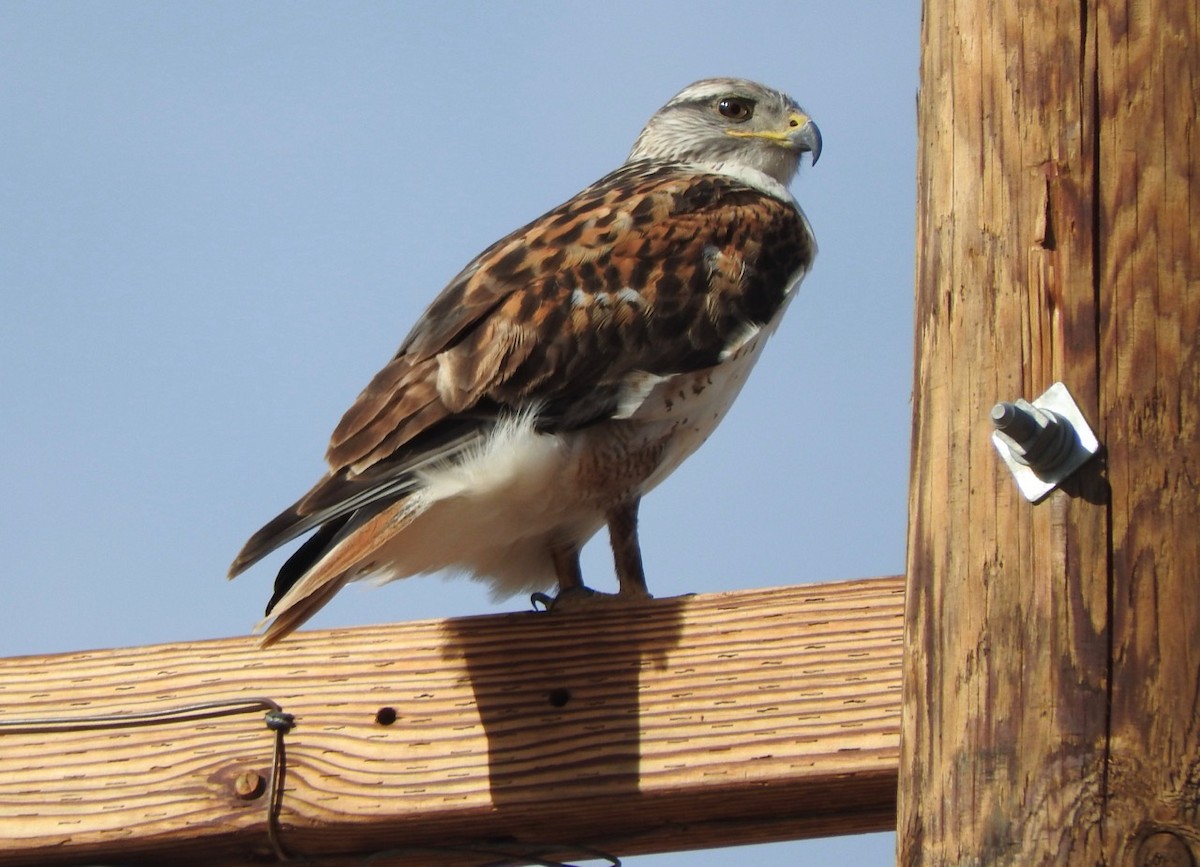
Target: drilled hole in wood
point(385, 716)
point(559, 697)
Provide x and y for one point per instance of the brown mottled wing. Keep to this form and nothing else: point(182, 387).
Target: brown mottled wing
point(653, 269)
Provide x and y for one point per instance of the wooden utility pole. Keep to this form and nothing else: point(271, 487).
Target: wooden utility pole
point(1052, 675)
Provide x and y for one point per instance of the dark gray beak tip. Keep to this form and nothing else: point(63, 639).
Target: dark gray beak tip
point(810, 140)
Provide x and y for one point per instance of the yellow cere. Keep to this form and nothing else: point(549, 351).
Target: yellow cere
point(795, 121)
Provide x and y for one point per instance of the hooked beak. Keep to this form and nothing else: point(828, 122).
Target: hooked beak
point(801, 134)
point(805, 135)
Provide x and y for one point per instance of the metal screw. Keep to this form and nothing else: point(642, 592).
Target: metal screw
point(249, 785)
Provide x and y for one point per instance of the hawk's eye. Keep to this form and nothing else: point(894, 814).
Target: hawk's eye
point(736, 108)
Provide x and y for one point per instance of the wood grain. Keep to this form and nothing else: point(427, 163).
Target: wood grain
point(1052, 676)
point(684, 723)
point(1149, 279)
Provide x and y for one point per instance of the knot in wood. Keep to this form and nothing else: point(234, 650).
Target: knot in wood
point(1164, 849)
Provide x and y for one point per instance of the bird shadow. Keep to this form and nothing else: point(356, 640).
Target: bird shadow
point(558, 698)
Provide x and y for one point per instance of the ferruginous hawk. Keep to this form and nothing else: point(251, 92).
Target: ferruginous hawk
point(567, 370)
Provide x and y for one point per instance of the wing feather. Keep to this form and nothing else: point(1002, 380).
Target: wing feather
point(653, 270)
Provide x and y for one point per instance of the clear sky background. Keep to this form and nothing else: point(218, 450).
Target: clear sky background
point(219, 219)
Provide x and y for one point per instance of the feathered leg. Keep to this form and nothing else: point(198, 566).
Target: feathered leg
point(566, 569)
point(627, 558)
point(627, 552)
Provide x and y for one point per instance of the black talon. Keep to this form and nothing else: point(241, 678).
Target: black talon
point(569, 597)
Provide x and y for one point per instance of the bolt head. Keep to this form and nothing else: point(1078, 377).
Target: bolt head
point(249, 785)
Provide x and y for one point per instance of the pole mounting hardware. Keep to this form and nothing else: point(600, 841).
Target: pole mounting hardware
point(1042, 442)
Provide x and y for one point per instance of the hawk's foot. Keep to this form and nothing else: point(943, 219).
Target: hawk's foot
point(581, 597)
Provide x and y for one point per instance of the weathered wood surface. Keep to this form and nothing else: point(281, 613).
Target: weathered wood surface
point(686, 723)
point(1052, 676)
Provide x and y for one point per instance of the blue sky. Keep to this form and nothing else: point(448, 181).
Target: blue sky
point(218, 220)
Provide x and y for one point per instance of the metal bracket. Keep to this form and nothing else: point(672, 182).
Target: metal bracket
point(1043, 442)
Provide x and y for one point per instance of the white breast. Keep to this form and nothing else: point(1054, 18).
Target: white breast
point(689, 406)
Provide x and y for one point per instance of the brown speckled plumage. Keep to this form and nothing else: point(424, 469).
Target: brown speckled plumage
point(657, 271)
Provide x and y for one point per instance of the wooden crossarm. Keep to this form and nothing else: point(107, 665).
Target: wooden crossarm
point(685, 723)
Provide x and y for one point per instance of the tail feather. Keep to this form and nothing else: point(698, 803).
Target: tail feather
point(352, 497)
point(281, 529)
point(292, 617)
point(342, 492)
point(304, 558)
point(342, 555)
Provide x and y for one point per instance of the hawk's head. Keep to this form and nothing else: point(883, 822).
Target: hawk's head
point(727, 124)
